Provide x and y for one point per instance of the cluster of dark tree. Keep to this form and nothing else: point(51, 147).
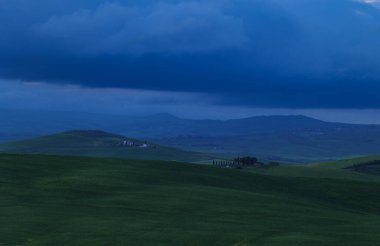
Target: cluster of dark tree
point(246, 161)
point(242, 162)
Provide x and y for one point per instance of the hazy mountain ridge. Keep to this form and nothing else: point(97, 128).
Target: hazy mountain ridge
point(36, 123)
point(294, 138)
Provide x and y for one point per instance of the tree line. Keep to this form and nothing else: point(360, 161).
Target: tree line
point(237, 162)
point(242, 162)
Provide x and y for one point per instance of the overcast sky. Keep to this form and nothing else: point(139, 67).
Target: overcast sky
point(197, 59)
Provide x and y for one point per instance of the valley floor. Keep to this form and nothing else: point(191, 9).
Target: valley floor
point(52, 200)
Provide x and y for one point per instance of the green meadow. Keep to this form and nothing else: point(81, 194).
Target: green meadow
point(55, 200)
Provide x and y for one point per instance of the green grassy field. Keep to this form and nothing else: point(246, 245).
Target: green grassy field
point(52, 200)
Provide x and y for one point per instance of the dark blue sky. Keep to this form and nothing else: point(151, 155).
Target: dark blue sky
point(290, 54)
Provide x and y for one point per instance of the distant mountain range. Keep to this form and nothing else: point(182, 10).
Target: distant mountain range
point(102, 144)
point(22, 124)
point(288, 138)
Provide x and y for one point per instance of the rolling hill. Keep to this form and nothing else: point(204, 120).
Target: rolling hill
point(99, 143)
point(294, 139)
point(342, 169)
point(55, 200)
point(292, 147)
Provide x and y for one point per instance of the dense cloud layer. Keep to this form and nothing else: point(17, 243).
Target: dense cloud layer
point(267, 53)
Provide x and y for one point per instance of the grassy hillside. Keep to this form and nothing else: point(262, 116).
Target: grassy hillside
point(346, 163)
point(98, 143)
point(341, 169)
point(298, 146)
point(50, 200)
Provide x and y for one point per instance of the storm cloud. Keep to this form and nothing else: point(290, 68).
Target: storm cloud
point(272, 53)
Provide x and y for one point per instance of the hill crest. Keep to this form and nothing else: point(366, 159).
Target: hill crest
point(101, 144)
point(91, 133)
